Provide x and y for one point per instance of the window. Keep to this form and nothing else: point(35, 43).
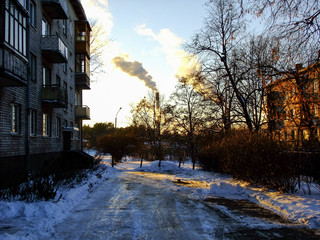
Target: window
point(23, 3)
point(81, 36)
point(293, 134)
point(306, 135)
point(277, 136)
point(33, 122)
point(32, 14)
point(71, 99)
point(65, 86)
point(46, 28)
point(293, 91)
point(316, 110)
point(285, 135)
point(82, 64)
point(46, 125)
point(72, 133)
point(46, 75)
point(33, 67)
point(64, 26)
point(65, 67)
point(58, 80)
point(58, 127)
point(16, 27)
point(315, 86)
point(77, 99)
point(292, 113)
point(65, 89)
point(15, 118)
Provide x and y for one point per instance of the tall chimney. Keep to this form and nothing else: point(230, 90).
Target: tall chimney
point(299, 66)
point(157, 101)
point(157, 111)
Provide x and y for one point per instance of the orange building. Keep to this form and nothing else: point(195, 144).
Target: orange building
point(293, 105)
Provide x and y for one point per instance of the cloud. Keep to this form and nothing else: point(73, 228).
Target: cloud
point(99, 10)
point(135, 69)
point(171, 45)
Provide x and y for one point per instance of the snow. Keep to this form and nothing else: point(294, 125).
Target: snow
point(20, 220)
point(302, 208)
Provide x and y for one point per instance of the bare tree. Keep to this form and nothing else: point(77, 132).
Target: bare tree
point(190, 113)
point(98, 42)
point(295, 21)
point(214, 86)
point(257, 59)
point(150, 114)
point(217, 43)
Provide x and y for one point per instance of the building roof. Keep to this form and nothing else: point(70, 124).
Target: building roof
point(291, 75)
point(78, 8)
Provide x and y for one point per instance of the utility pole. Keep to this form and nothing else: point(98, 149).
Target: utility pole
point(115, 121)
point(115, 127)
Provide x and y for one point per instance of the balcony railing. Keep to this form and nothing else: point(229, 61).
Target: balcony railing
point(83, 112)
point(54, 96)
point(54, 49)
point(56, 9)
point(82, 81)
point(82, 47)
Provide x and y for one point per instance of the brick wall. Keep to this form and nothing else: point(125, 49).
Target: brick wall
point(12, 143)
point(15, 144)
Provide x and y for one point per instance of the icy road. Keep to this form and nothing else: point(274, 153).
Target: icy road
point(147, 205)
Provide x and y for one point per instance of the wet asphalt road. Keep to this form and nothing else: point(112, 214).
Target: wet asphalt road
point(140, 206)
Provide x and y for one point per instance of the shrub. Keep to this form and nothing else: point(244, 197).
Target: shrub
point(252, 157)
point(36, 189)
point(117, 144)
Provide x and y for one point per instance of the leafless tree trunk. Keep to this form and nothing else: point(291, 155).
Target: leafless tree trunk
point(216, 44)
point(98, 42)
point(295, 21)
point(190, 113)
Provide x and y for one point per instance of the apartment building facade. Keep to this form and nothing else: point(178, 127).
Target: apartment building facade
point(293, 104)
point(44, 67)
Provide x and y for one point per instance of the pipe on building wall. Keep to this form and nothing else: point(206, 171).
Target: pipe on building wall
point(27, 146)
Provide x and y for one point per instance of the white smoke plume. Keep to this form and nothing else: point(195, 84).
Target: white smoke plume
point(135, 69)
point(182, 62)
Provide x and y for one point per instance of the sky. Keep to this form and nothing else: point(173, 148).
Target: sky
point(143, 52)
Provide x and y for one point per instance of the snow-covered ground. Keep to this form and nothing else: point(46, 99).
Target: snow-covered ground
point(302, 208)
point(20, 220)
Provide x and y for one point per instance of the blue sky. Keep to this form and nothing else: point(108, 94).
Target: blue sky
point(150, 32)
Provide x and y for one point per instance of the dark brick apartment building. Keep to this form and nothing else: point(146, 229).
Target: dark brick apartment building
point(44, 67)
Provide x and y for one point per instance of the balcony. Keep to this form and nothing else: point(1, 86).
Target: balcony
point(82, 81)
point(82, 44)
point(82, 47)
point(83, 112)
point(13, 69)
point(54, 96)
point(53, 49)
point(56, 9)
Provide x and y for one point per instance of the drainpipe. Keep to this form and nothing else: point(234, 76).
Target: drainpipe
point(27, 147)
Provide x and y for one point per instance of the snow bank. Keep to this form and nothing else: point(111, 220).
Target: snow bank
point(304, 209)
point(44, 214)
point(165, 167)
point(301, 207)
